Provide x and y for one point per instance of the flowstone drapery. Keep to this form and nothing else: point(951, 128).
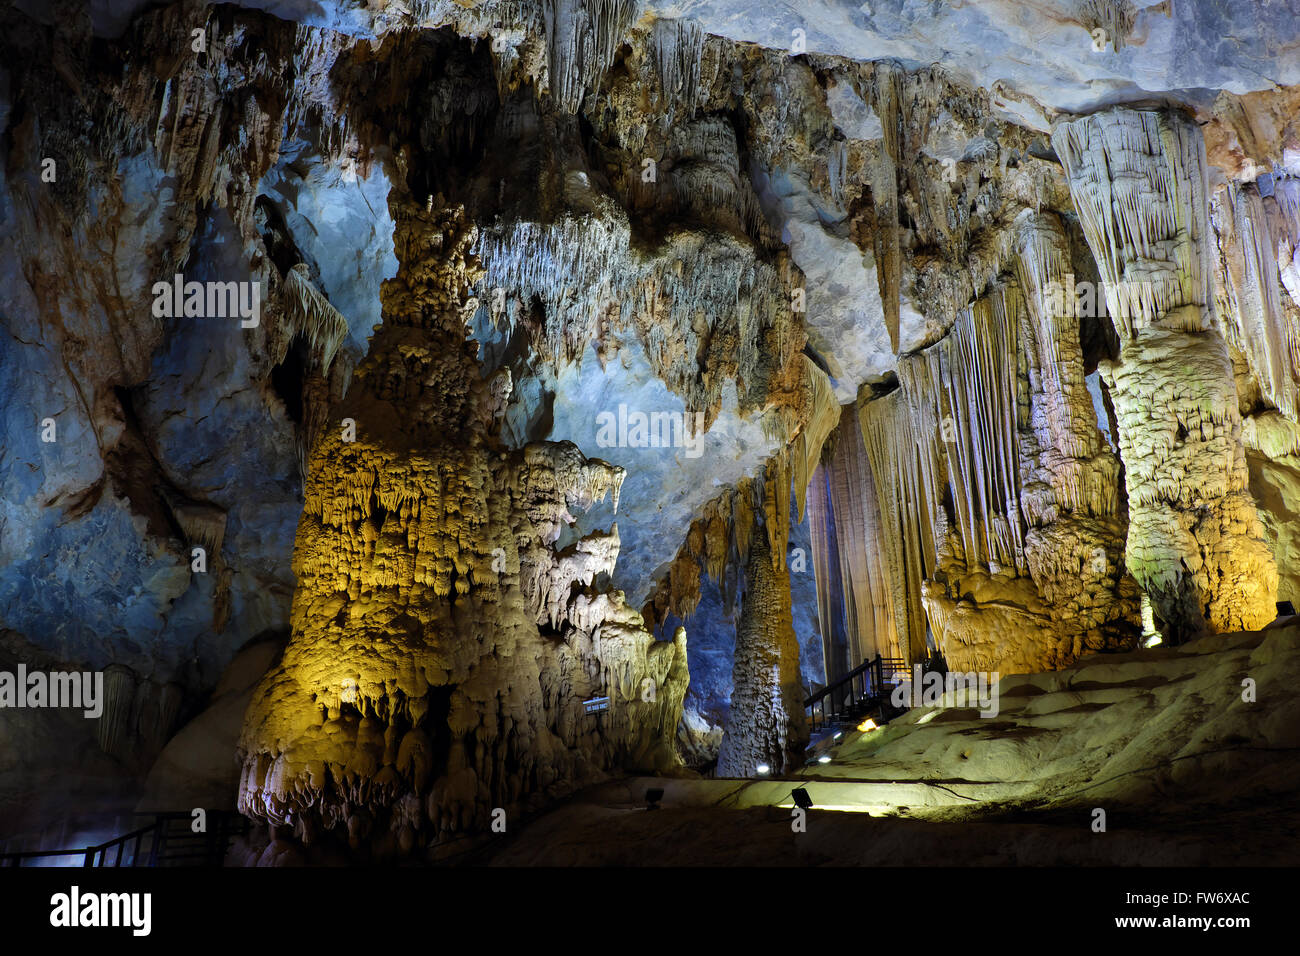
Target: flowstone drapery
point(999, 499)
point(849, 548)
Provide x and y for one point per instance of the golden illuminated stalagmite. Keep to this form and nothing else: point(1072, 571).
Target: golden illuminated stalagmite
point(1195, 542)
point(442, 649)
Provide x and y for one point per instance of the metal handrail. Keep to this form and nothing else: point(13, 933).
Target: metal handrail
point(858, 690)
point(97, 855)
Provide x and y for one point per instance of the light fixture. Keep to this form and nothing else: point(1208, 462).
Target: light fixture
point(801, 798)
point(838, 735)
point(652, 797)
point(824, 758)
point(762, 768)
point(1150, 636)
point(866, 725)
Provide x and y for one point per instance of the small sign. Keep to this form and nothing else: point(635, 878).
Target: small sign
point(596, 705)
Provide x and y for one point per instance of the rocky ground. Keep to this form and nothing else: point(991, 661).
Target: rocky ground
point(1186, 770)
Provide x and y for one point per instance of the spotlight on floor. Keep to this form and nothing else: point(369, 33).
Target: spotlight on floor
point(652, 797)
point(762, 769)
point(801, 798)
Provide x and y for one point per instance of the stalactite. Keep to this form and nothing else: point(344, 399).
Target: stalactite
point(923, 390)
point(946, 450)
point(826, 572)
point(823, 418)
point(550, 585)
point(867, 595)
point(202, 525)
point(962, 394)
point(1138, 180)
point(1254, 320)
point(1114, 17)
point(1064, 465)
point(568, 266)
point(882, 170)
point(837, 170)
point(310, 314)
point(118, 718)
point(1070, 480)
point(581, 37)
point(1043, 270)
point(706, 178)
point(890, 441)
point(727, 523)
point(583, 269)
point(678, 49)
point(1272, 435)
point(1287, 230)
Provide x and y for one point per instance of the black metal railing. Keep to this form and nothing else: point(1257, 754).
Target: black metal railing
point(168, 841)
point(862, 692)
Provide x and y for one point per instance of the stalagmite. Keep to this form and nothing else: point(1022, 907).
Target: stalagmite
point(847, 236)
point(1195, 542)
point(442, 647)
point(1065, 465)
point(766, 725)
point(1070, 479)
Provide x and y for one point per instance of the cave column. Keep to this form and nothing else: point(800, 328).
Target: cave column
point(1195, 542)
point(766, 725)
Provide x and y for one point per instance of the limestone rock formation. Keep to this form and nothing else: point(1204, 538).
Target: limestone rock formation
point(442, 649)
point(766, 731)
point(1195, 542)
point(960, 334)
